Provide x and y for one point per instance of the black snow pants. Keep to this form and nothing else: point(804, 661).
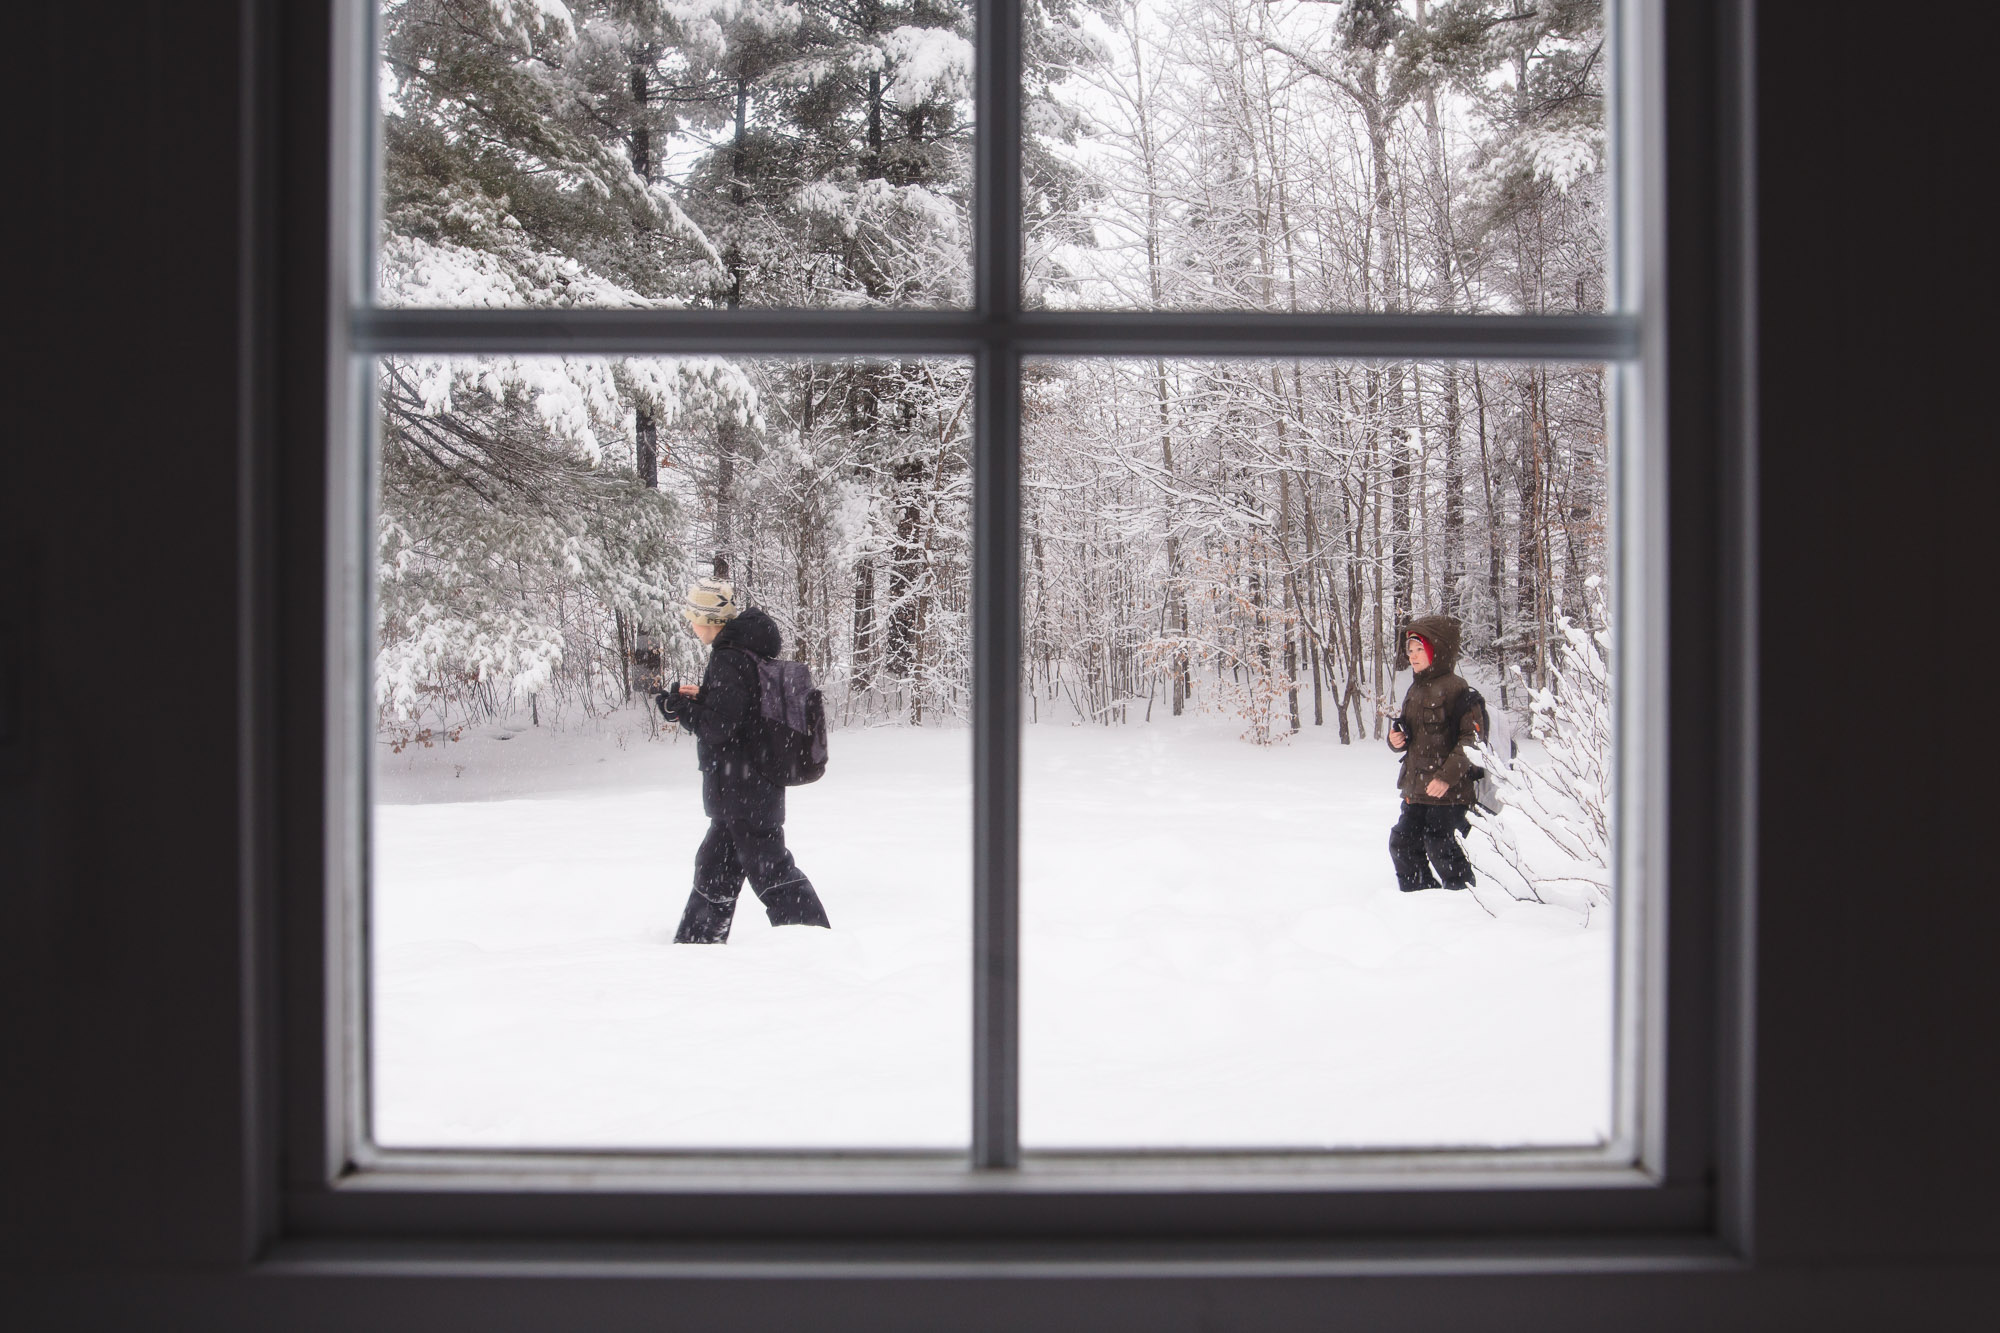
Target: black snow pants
point(1427, 836)
point(731, 851)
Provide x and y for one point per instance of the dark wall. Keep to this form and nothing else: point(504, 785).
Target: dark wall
point(1876, 1165)
point(1879, 911)
point(118, 514)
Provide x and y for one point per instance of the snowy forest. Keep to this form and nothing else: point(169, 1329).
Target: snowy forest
point(1231, 538)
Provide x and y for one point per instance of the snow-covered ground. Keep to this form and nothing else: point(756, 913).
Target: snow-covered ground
point(1214, 954)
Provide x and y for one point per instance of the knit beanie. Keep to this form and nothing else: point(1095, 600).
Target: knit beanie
point(711, 602)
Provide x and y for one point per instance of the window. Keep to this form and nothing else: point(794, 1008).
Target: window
point(1643, 1173)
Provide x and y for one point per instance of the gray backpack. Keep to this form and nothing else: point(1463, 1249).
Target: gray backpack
point(788, 740)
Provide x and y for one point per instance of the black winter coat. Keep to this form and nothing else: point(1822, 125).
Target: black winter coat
point(721, 715)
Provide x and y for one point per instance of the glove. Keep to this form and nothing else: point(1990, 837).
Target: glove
point(668, 702)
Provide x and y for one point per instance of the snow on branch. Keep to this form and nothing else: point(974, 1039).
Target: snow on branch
point(1551, 840)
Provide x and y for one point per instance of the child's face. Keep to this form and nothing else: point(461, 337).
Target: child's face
point(705, 631)
point(1420, 656)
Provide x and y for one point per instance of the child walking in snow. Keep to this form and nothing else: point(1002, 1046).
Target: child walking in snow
point(1436, 777)
point(746, 810)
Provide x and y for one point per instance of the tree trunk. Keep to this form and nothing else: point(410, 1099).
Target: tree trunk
point(641, 139)
point(905, 568)
point(1493, 558)
point(1179, 674)
point(1528, 537)
point(1177, 608)
point(622, 628)
point(864, 625)
point(728, 442)
point(646, 446)
point(1454, 496)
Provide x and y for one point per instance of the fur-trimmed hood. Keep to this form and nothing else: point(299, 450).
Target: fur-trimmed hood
point(1442, 633)
point(1434, 748)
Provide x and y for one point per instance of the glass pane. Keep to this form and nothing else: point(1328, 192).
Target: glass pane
point(541, 832)
point(1217, 951)
point(1303, 156)
point(621, 153)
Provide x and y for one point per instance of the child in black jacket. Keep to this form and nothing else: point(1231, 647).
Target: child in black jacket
point(746, 810)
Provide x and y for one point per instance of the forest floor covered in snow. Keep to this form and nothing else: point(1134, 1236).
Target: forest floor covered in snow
point(1214, 954)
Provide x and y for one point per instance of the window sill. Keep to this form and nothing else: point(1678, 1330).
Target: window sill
point(991, 1259)
point(486, 1173)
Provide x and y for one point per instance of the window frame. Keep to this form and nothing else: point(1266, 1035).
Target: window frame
point(1682, 300)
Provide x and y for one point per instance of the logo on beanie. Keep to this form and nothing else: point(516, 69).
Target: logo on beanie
point(711, 601)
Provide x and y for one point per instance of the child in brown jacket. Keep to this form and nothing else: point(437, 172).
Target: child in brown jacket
point(1437, 778)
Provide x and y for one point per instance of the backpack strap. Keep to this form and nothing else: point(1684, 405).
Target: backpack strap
point(1468, 700)
point(1455, 713)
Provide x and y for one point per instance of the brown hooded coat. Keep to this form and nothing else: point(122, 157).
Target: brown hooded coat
point(1435, 748)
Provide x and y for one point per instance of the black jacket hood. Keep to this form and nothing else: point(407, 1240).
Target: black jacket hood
point(753, 631)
